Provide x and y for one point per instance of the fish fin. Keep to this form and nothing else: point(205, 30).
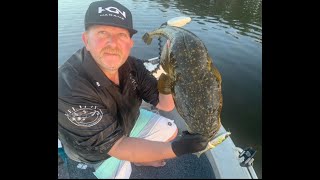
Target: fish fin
point(216, 73)
point(146, 38)
point(214, 69)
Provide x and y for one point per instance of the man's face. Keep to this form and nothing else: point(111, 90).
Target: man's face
point(110, 46)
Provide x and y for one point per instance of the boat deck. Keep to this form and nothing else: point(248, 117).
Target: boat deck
point(184, 167)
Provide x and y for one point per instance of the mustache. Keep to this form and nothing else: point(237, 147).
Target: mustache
point(110, 50)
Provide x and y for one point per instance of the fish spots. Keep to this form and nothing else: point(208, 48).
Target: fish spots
point(197, 83)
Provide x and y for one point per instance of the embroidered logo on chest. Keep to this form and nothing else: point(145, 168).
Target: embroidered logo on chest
point(84, 116)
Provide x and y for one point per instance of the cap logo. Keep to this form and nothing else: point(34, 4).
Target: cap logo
point(112, 10)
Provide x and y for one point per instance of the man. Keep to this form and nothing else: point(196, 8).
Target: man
point(100, 90)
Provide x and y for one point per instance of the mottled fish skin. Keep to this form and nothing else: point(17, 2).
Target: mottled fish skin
point(196, 81)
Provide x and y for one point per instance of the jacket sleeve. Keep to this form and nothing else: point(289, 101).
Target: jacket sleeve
point(84, 123)
point(147, 84)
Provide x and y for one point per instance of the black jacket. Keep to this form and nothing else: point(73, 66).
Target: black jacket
point(93, 112)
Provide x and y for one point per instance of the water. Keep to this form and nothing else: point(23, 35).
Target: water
point(232, 33)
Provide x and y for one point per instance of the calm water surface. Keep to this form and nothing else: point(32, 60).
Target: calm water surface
point(232, 33)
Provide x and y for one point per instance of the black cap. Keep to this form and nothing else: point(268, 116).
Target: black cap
point(111, 13)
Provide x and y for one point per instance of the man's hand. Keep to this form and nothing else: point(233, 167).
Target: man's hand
point(189, 143)
point(164, 84)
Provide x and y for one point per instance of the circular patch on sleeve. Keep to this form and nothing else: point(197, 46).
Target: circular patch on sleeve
point(84, 116)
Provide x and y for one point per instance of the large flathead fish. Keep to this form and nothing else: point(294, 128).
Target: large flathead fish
point(196, 81)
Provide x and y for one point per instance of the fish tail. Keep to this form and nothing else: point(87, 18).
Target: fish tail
point(213, 143)
point(198, 154)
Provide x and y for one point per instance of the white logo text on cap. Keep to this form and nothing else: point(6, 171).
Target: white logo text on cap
point(112, 10)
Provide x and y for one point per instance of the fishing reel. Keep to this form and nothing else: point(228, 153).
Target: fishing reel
point(247, 155)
